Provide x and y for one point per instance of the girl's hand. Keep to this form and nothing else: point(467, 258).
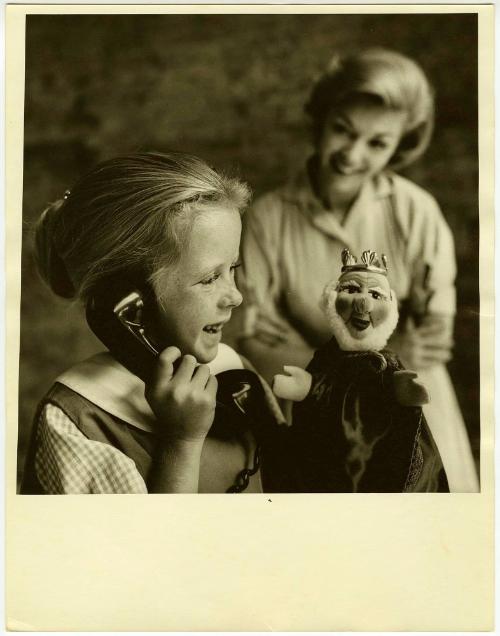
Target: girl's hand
point(182, 400)
point(424, 346)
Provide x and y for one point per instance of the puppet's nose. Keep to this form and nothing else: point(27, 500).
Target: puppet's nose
point(363, 305)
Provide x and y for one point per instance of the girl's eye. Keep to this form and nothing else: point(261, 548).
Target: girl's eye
point(216, 275)
point(211, 279)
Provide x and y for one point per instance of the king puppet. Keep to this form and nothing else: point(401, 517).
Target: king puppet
point(358, 424)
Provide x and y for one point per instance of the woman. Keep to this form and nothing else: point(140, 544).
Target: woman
point(372, 113)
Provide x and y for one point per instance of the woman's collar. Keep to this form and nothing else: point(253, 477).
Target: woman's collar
point(301, 188)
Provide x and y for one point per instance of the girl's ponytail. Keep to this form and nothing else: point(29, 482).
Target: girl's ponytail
point(50, 264)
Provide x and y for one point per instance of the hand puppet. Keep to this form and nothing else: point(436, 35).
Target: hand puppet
point(358, 424)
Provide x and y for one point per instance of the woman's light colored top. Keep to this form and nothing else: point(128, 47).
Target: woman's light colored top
point(292, 245)
point(291, 248)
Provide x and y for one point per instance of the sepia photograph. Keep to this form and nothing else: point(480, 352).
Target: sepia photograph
point(344, 154)
point(248, 260)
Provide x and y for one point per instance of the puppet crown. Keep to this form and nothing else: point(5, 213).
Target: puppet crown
point(370, 262)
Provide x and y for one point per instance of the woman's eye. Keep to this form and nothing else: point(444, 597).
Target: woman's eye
point(338, 127)
point(378, 144)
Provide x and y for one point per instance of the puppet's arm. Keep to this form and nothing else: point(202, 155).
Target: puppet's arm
point(294, 386)
point(407, 391)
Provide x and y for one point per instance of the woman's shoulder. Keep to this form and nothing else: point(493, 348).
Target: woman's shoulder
point(416, 209)
point(291, 194)
point(409, 193)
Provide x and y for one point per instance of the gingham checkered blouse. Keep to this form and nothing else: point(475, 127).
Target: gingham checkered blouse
point(67, 462)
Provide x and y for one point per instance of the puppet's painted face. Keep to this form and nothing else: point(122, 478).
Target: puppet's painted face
point(363, 302)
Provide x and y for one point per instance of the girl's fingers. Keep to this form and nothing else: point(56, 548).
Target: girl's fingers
point(165, 363)
point(185, 370)
point(201, 375)
point(211, 386)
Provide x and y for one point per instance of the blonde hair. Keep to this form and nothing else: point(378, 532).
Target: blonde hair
point(130, 216)
point(392, 79)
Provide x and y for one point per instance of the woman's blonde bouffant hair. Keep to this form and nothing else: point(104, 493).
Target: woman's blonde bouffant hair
point(130, 216)
point(389, 77)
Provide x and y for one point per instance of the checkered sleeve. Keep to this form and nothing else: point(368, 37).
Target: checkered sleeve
point(68, 463)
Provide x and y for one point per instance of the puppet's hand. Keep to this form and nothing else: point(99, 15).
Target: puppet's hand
point(294, 386)
point(408, 392)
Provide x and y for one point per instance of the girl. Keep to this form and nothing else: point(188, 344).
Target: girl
point(169, 225)
point(372, 113)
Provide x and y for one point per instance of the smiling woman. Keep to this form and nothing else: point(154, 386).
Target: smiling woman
point(358, 140)
point(149, 243)
point(372, 113)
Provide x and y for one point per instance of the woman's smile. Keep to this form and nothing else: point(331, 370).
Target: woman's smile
point(357, 143)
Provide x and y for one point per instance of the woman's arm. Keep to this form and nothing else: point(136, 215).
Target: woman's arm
point(424, 338)
point(270, 359)
point(427, 345)
point(267, 338)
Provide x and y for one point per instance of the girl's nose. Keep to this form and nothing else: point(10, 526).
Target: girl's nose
point(232, 297)
point(363, 304)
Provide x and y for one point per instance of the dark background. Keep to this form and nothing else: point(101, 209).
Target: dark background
point(231, 89)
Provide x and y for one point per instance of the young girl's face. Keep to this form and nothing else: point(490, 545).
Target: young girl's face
point(198, 294)
point(358, 141)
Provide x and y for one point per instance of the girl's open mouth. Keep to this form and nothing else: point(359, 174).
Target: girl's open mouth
point(215, 328)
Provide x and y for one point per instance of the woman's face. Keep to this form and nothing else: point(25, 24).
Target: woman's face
point(357, 142)
point(198, 294)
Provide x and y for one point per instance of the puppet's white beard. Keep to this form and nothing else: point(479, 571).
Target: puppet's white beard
point(375, 341)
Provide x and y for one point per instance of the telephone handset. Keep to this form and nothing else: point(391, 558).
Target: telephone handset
point(123, 318)
point(120, 318)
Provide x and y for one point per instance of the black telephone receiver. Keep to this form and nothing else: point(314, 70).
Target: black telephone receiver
point(119, 318)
